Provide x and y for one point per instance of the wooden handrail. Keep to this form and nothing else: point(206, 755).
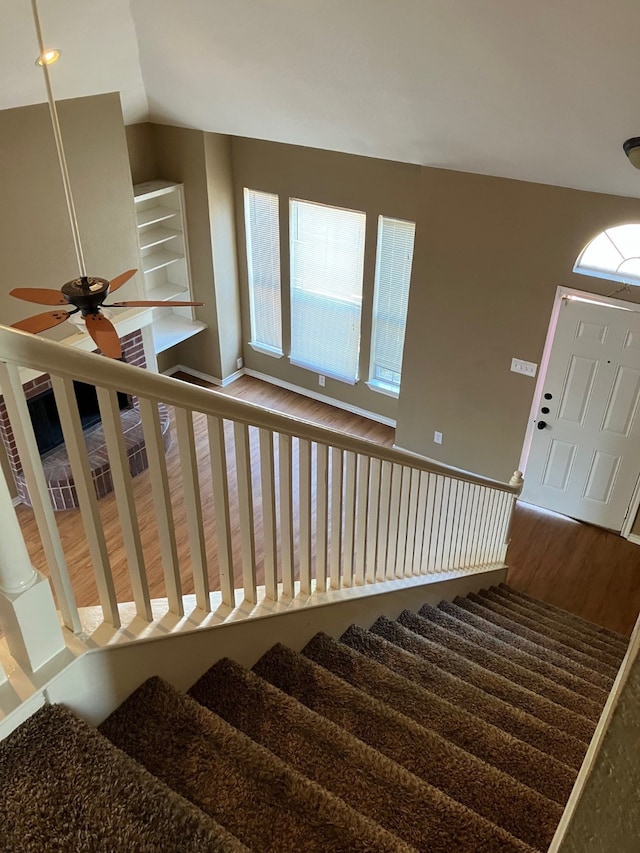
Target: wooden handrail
point(26, 350)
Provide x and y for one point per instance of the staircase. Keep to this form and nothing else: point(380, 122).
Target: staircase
point(457, 729)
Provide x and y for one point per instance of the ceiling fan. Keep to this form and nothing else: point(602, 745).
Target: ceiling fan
point(86, 294)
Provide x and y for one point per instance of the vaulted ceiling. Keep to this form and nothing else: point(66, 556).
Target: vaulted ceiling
point(540, 91)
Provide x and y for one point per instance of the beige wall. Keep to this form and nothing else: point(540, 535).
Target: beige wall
point(373, 186)
point(142, 152)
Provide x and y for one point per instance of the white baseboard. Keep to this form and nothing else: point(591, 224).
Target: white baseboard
point(221, 383)
point(634, 537)
point(322, 398)
point(16, 501)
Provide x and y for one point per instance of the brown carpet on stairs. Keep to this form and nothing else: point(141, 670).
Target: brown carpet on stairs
point(541, 686)
point(591, 646)
point(564, 617)
point(520, 697)
point(527, 728)
point(67, 789)
point(365, 779)
point(526, 764)
point(244, 786)
point(493, 794)
point(562, 670)
point(502, 616)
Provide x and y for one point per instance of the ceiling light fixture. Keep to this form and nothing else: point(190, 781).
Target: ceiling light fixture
point(48, 57)
point(632, 150)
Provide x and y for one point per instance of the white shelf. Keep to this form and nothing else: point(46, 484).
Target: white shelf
point(157, 260)
point(153, 215)
point(157, 237)
point(172, 329)
point(166, 292)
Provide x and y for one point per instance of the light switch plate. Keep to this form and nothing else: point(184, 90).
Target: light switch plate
point(437, 437)
point(528, 368)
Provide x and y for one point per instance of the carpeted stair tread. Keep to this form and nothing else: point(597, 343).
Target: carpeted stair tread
point(618, 641)
point(255, 795)
point(561, 634)
point(555, 715)
point(67, 788)
point(365, 779)
point(479, 654)
point(527, 627)
point(488, 743)
point(587, 632)
point(514, 721)
point(516, 649)
point(529, 816)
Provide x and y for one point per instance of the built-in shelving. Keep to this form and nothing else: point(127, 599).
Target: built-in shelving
point(164, 260)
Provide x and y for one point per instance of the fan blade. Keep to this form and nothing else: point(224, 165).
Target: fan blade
point(121, 279)
point(104, 335)
point(42, 322)
point(41, 295)
point(147, 304)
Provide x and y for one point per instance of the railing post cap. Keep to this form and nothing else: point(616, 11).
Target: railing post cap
point(517, 479)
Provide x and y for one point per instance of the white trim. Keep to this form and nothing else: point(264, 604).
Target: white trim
point(607, 301)
point(265, 350)
point(16, 501)
point(634, 538)
point(221, 383)
point(379, 388)
point(322, 398)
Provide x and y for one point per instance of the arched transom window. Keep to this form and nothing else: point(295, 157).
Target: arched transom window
point(614, 254)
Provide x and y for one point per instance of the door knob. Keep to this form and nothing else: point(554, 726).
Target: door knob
point(541, 424)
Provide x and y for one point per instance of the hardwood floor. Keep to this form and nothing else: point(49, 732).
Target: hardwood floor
point(581, 568)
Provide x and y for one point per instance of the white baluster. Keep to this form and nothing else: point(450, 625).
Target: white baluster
point(412, 566)
point(322, 488)
point(285, 485)
point(362, 514)
point(304, 501)
point(245, 507)
point(25, 439)
point(421, 516)
point(383, 566)
point(403, 522)
point(336, 518)
point(125, 501)
point(349, 517)
point(218, 454)
point(372, 518)
point(193, 507)
point(394, 522)
point(268, 488)
point(85, 490)
point(162, 504)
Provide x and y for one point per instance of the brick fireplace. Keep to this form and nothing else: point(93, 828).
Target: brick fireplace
point(55, 462)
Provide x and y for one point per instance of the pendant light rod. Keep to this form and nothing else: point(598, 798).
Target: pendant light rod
point(64, 171)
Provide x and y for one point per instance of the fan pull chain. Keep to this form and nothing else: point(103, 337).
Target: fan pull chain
point(73, 221)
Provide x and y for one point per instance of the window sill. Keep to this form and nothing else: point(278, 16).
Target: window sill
point(387, 390)
point(274, 353)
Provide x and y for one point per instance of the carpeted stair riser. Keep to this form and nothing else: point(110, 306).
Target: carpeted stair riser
point(256, 796)
point(618, 641)
point(514, 721)
point(66, 788)
point(365, 779)
point(590, 644)
point(488, 743)
point(562, 634)
point(528, 815)
point(555, 715)
point(529, 628)
point(562, 670)
point(533, 658)
point(425, 627)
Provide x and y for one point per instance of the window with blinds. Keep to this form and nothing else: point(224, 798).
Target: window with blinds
point(394, 256)
point(263, 265)
point(327, 259)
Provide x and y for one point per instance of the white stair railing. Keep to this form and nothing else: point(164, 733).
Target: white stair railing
point(309, 508)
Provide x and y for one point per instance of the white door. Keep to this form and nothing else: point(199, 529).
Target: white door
point(585, 452)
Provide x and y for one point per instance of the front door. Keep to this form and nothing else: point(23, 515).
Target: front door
point(585, 453)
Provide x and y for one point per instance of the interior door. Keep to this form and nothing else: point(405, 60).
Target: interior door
point(585, 452)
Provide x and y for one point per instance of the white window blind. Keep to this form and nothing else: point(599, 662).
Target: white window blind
point(327, 259)
point(394, 256)
point(263, 264)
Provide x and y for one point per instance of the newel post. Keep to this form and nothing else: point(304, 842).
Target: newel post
point(28, 613)
point(517, 481)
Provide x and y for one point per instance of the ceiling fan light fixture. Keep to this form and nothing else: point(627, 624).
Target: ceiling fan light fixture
point(48, 57)
point(632, 150)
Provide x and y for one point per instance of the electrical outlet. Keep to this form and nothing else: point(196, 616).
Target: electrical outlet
point(239, 363)
point(437, 437)
point(321, 380)
point(527, 368)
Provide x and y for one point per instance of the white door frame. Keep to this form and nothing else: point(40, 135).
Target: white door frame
point(608, 301)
